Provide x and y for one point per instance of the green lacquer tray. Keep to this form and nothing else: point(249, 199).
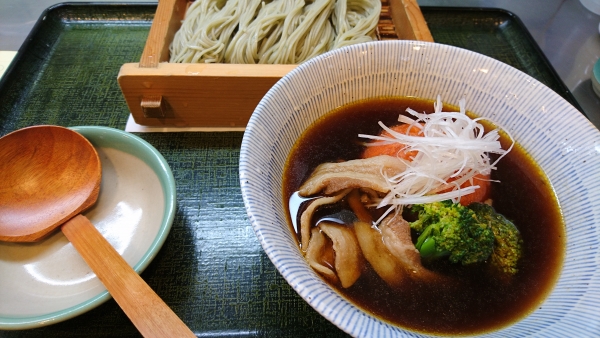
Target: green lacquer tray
point(211, 269)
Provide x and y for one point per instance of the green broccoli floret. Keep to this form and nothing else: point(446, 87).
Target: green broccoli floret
point(450, 229)
point(508, 242)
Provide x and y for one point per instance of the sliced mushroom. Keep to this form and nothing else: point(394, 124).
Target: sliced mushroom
point(391, 253)
point(330, 178)
point(315, 253)
point(395, 233)
point(349, 261)
point(377, 254)
point(305, 224)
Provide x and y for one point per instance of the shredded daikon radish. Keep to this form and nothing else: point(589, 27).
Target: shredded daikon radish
point(452, 149)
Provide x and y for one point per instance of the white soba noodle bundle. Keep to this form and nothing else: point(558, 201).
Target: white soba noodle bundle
point(275, 32)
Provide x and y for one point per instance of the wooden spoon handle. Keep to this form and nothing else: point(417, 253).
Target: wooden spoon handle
point(148, 312)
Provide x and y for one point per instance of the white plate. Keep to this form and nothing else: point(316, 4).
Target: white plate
point(46, 282)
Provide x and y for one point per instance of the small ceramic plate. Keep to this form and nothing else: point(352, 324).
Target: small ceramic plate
point(47, 282)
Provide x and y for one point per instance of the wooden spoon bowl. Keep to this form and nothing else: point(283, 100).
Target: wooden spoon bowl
point(50, 174)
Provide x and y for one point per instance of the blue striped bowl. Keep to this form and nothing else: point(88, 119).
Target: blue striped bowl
point(534, 114)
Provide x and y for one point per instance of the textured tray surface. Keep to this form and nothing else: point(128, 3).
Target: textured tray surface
point(211, 270)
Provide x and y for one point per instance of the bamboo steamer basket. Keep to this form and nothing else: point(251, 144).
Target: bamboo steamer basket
point(218, 95)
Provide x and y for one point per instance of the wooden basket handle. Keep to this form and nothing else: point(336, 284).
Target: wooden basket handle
point(167, 21)
point(409, 21)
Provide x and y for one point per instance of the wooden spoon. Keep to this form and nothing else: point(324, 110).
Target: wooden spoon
point(50, 175)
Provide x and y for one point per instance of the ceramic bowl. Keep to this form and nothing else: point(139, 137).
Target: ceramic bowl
point(46, 282)
point(533, 113)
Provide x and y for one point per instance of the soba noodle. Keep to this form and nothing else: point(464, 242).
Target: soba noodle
point(275, 32)
point(353, 20)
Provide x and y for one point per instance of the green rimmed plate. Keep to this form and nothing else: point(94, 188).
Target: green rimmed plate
point(47, 282)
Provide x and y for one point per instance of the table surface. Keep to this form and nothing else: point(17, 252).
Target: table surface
point(572, 52)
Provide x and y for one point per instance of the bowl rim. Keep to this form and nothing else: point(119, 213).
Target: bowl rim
point(254, 128)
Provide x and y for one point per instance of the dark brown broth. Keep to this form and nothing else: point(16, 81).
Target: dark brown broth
point(481, 302)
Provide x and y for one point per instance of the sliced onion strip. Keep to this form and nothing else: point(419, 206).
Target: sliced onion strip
point(452, 149)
